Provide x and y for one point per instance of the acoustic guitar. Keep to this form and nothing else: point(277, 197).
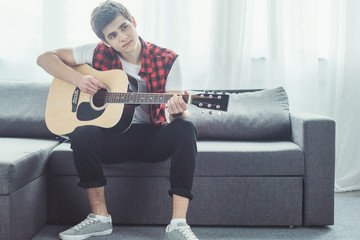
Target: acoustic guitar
point(67, 107)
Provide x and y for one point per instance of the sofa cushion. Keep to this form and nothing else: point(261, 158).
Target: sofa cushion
point(259, 115)
point(215, 158)
point(21, 161)
point(23, 109)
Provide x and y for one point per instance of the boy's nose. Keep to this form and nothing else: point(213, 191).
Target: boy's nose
point(122, 36)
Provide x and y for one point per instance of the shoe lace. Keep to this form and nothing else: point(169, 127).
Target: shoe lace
point(188, 234)
point(85, 223)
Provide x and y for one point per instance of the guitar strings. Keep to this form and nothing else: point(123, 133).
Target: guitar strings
point(112, 97)
point(149, 94)
point(144, 102)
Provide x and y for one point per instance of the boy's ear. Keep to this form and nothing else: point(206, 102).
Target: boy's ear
point(133, 20)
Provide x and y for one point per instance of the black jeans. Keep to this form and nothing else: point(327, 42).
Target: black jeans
point(93, 146)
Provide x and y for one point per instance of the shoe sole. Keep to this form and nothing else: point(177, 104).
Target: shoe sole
point(84, 236)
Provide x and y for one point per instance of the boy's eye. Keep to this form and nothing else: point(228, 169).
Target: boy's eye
point(124, 27)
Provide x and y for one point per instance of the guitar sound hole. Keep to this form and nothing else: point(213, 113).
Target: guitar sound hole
point(99, 99)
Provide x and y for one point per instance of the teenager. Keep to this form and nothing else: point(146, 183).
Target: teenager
point(150, 138)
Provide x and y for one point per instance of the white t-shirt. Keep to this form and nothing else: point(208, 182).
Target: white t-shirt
point(84, 54)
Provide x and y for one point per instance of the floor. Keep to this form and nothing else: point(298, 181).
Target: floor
point(346, 227)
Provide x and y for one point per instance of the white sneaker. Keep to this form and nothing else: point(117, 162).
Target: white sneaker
point(181, 232)
point(91, 226)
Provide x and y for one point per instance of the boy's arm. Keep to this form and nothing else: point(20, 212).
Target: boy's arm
point(177, 103)
point(59, 64)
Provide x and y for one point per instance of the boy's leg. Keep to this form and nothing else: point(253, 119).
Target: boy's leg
point(93, 146)
point(96, 198)
point(88, 144)
point(178, 141)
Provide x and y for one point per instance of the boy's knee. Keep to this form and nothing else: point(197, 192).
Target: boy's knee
point(185, 126)
point(83, 135)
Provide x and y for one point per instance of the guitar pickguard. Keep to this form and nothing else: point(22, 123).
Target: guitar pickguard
point(86, 113)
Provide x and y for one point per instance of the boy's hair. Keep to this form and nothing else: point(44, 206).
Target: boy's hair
point(105, 13)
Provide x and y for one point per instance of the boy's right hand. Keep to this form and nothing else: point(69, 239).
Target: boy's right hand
point(89, 84)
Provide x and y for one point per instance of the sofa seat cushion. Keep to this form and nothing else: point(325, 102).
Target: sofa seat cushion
point(22, 160)
point(247, 158)
point(215, 158)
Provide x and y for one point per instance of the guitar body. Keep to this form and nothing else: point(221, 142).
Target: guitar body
point(67, 107)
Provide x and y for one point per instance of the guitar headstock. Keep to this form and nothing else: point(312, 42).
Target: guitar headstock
point(211, 101)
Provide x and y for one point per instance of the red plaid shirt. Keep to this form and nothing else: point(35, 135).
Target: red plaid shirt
point(155, 66)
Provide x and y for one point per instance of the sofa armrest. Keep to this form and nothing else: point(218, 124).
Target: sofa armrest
point(315, 134)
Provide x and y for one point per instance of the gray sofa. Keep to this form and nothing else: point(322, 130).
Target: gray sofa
point(258, 165)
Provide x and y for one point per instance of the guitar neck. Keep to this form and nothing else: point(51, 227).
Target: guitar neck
point(141, 98)
point(202, 100)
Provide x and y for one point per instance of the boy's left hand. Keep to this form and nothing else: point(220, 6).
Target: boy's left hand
point(176, 104)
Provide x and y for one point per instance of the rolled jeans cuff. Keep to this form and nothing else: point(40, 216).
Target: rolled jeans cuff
point(94, 184)
point(181, 192)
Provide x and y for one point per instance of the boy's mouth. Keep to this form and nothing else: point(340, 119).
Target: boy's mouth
point(127, 44)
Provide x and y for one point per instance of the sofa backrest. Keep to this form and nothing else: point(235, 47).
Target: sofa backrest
point(252, 115)
point(22, 109)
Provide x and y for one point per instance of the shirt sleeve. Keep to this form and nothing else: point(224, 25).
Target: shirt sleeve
point(84, 53)
point(174, 78)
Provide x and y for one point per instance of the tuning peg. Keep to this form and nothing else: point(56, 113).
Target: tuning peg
point(206, 91)
point(211, 112)
point(202, 112)
point(219, 113)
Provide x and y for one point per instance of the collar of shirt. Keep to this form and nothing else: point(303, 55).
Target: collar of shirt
point(147, 61)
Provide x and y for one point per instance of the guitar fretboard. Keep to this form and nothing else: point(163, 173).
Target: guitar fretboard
point(140, 98)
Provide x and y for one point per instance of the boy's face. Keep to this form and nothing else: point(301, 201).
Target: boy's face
point(121, 35)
